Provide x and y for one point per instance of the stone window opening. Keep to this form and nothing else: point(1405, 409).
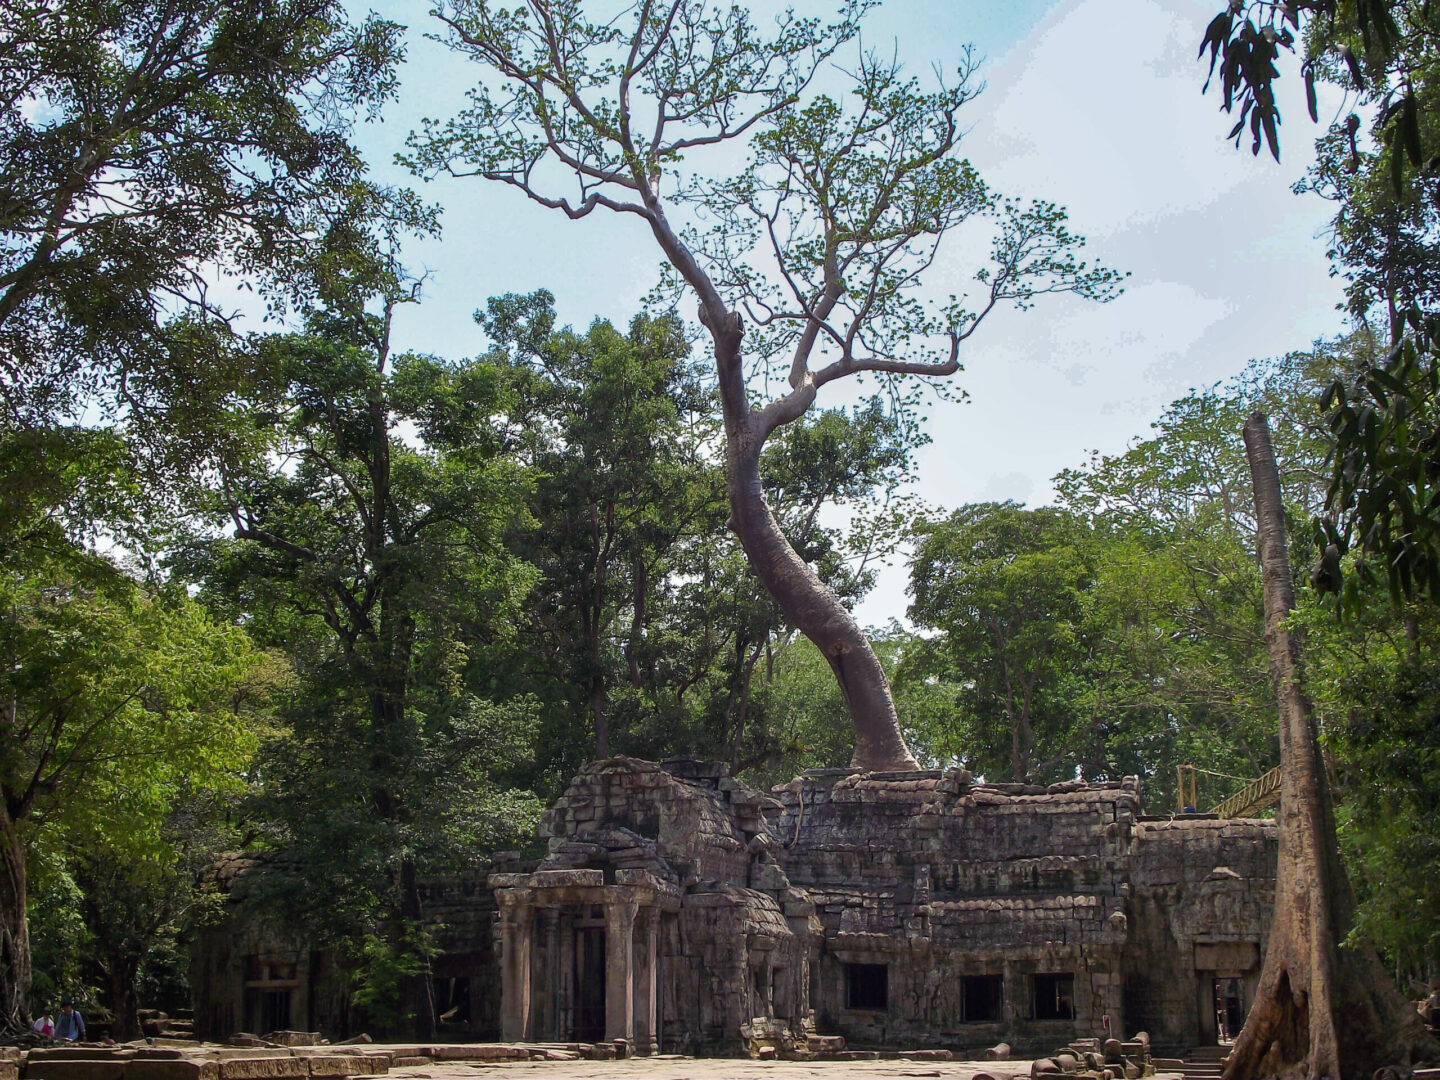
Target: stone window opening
point(867, 986)
point(761, 1005)
point(1053, 996)
point(452, 1002)
point(982, 998)
point(276, 1011)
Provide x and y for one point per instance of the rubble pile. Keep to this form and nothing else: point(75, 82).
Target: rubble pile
point(1098, 1059)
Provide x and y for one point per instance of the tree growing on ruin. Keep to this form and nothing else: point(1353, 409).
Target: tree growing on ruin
point(806, 258)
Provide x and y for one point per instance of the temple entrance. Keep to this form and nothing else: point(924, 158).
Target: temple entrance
point(1229, 996)
point(588, 1021)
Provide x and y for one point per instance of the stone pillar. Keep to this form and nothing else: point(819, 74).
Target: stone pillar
point(620, 969)
point(516, 926)
point(547, 1022)
point(646, 970)
point(565, 1016)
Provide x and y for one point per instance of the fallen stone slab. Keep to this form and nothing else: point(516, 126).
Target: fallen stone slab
point(858, 1055)
point(926, 1055)
point(331, 1065)
point(482, 1052)
point(263, 1068)
point(405, 1061)
point(111, 1068)
point(9, 1069)
point(172, 1069)
point(80, 1053)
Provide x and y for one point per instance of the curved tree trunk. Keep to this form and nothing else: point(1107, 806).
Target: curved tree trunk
point(802, 596)
point(1321, 1010)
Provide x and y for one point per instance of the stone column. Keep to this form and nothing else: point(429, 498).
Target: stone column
point(646, 968)
point(620, 969)
point(547, 1023)
point(565, 1017)
point(516, 926)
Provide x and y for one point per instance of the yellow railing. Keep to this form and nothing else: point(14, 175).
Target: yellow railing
point(1253, 797)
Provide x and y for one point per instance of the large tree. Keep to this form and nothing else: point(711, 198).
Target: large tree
point(117, 701)
point(366, 542)
point(146, 146)
point(1004, 587)
point(805, 261)
point(1323, 1007)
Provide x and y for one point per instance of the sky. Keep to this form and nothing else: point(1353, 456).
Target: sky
point(1094, 104)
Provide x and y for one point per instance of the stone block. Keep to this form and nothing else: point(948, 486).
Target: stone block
point(334, 1065)
point(480, 1052)
point(926, 1055)
point(112, 1068)
point(9, 1069)
point(173, 1069)
point(263, 1068)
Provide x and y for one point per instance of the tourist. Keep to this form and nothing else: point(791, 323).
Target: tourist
point(69, 1025)
point(44, 1024)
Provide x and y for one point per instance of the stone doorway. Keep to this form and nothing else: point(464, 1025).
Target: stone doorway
point(588, 1018)
point(1229, 997)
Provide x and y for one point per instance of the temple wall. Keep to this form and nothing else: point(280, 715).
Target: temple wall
point(682, 910)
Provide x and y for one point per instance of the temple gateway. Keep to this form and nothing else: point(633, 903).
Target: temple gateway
point(683, 911)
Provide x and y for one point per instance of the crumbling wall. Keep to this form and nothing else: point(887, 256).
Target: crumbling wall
point(1204, 890)
point(939, 879)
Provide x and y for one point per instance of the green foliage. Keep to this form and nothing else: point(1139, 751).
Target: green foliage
point(1383, 499)
point(368, 545)
point(122, 695)
point(1377, 48)
point(382, 965)
point(141, 143)
point(1004, 587)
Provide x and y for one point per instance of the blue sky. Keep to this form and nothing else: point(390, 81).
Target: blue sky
point(1095, 104)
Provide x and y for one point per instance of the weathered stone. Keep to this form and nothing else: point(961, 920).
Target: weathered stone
point(262, 1068)
point(112, 1068)
point(173, 1069)
point(342, 1065)
point(831, 903)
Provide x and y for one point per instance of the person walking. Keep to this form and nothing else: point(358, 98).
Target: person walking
point(69, 1025)
point(44, 1024)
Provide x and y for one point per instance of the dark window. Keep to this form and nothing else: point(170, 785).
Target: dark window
point(588, 1023)
point(1054, 997)
point(277, 1010)
point(980, 998)
point(867, 986)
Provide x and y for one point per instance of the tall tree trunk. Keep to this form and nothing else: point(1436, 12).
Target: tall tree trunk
point(420, 990)
point(1322, 1009)
point(121, 974)
point(819, 615)
point(14, 926)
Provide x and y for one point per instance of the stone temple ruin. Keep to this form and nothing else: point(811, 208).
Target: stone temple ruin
point(683, 911)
